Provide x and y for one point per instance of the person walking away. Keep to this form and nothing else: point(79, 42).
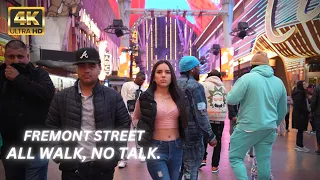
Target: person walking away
point(315, 109)
point(161, 113)
point(130, 92)
point(88, 106)
point(26, 92)
point(198, 122)
point(216, 96)
point(300, 114)
point(262, 97)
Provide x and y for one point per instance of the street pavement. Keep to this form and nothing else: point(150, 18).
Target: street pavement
point(286, 163)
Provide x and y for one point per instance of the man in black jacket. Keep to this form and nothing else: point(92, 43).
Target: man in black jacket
point(89, 106)
point(25, 96)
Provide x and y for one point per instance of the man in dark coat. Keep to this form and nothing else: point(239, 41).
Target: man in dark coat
point(25, 96)
point(89, 106)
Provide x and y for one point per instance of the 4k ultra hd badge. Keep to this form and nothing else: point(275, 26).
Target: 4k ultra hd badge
point(26, 20)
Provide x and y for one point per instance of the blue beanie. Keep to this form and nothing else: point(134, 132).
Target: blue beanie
point(187, 63)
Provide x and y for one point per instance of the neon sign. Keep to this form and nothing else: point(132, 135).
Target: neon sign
point(302, 16)
point(92, 26)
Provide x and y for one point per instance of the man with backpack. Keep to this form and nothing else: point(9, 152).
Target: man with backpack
point(130, 92)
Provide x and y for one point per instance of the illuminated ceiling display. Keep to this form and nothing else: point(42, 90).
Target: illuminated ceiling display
point(200, 22)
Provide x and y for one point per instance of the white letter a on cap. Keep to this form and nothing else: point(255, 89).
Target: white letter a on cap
point(84, 54)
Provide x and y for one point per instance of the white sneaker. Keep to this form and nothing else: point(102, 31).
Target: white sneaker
point(302, 149)
point(143, 159)
point(306, 149)
point(122, 164)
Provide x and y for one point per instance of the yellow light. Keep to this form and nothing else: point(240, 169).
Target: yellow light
point(147, 52)
point(190, 43)
point(156, 33)
point(175, 39)
point(166, 32)
point(151, 43)
point(170, 48)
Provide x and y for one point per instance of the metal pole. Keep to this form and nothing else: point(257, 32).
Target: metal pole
point(227, 5)
point(125, 16)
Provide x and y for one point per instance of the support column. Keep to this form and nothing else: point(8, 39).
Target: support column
point(125, 16)
point(227, 5)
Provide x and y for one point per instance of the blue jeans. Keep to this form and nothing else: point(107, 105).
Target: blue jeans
point(35, 169)
point(192, 158)
point(168, 165)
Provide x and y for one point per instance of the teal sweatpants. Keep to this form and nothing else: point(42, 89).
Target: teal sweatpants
point(241, 142)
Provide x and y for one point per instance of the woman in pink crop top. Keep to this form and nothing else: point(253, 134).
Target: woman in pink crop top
point(160, 111)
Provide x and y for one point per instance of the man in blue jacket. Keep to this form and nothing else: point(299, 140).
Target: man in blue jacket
point(263, 100)
point(198, 122)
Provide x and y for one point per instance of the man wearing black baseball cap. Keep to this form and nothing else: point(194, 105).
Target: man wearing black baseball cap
point(89, 106)
point(88, 63)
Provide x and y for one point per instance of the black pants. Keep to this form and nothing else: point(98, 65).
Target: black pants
point(317, 127)
point(217, 130)
point(287, 120)
point(86, 171)
point(299, 139)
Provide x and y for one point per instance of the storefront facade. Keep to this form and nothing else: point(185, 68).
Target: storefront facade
point(288, 32)
point(71, 25)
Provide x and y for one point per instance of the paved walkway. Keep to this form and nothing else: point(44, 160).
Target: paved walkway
point(287, 164)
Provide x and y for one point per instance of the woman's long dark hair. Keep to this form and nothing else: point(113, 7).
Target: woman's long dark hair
point(300, 88)
point(174, 90)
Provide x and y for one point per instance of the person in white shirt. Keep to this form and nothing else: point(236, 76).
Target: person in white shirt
point(216, 96)
point(130, 92)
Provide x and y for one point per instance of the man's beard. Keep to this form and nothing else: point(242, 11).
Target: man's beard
point(196, 77)
point(91, 83)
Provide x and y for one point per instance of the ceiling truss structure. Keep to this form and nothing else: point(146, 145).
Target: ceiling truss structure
point(151, 13)
point(177, 12)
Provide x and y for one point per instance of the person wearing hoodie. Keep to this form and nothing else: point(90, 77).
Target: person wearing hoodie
point(263, 100)
point(216, 96)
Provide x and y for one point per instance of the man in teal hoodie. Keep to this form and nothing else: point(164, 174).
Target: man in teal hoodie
point(263, 100)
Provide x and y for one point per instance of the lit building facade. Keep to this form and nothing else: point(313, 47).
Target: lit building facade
point(288, 31)
point(163, 41)
point(71, 25)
